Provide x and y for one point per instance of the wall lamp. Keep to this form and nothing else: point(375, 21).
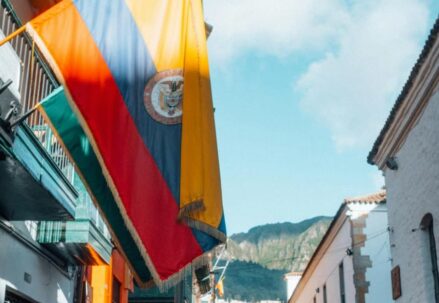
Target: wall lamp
point(391, 163)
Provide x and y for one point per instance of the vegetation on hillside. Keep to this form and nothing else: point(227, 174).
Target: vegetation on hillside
point(285, 246)
point(261, 257)
point(249, 281)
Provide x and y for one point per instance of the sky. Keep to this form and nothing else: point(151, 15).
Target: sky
point(301, 90)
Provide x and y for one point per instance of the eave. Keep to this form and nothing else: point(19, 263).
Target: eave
point(320, 251)
point(423, 82)
point(79, 241)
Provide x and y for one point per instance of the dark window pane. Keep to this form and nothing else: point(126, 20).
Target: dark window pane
point(341, 278)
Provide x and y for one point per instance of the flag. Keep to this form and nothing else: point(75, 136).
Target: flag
point(136, 78)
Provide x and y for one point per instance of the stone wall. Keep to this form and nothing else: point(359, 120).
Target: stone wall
point(361, 262)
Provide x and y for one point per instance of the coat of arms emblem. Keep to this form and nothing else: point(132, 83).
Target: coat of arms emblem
point(163, 96)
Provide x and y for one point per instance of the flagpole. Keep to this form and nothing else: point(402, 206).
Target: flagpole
point(27, 114)
point(35, 107)
point(13, 35)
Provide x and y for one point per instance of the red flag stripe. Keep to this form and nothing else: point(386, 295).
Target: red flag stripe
point(147, 203)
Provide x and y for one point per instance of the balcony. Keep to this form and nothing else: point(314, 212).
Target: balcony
point(38, 182)
point(85, 241)
point(35, 172)
point(79, 241)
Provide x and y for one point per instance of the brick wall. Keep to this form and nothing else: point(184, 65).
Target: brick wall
point(413, 191)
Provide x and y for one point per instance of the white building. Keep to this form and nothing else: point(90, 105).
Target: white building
point(407, 152)
point(292, 279)
point(352, 262)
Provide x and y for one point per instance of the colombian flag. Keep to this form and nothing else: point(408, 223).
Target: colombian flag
point(136, 117)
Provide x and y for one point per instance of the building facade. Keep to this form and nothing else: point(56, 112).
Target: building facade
point(55, 247)
point(352, 261)
point(407, 152)
point(292, 279)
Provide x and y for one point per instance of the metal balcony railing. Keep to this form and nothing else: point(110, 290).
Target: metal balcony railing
point(37, 82)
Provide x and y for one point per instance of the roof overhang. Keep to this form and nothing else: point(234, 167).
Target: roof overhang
point(423, 82)
point(79, 241)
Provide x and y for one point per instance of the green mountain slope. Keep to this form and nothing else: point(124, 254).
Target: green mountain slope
point(285, 246)
point(260, 257)
point(247, 281)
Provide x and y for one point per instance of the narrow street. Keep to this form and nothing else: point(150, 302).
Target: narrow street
point(219, 151)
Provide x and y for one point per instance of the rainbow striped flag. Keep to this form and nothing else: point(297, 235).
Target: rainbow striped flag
point(137, 119)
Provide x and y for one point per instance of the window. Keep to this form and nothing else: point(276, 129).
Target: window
point(13, 297)
point(325, 296)
point(341, 278)
point(427, 226)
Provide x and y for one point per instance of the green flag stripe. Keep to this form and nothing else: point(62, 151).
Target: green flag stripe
point(65, 124)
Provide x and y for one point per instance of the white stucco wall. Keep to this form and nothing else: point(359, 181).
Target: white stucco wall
point(377, 247)
point(292, 281)
point(327, 271)
point(10, 64)
point(48, 284)
point(413, 191)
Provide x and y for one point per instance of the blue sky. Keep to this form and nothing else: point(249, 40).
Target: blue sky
point(301, 90)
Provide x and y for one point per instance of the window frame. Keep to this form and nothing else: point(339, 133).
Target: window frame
point(427, 226)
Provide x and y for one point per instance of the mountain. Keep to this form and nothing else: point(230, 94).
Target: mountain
point(284, 246)
point(247, 281)
point(260, 257)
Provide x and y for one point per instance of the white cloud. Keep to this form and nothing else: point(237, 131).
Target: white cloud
point(352, 88)
point(368, 50)
point(276, 27)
